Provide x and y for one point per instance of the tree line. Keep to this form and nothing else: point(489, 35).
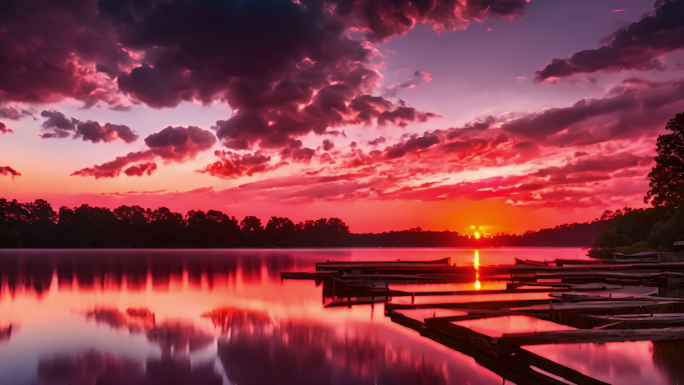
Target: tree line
point(657, 227)
point(37, 225)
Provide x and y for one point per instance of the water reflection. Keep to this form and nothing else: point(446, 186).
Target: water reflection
point(476, 263)
point(212, 317)
point(667, 357)
point(256, 350)
point(172, 336)
point(6, 332)
point(96, 368)
point(112, 270)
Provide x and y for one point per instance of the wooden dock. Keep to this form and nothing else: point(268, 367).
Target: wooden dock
point(601, 301)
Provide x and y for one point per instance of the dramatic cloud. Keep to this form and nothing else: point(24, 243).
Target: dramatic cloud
point(172, 144)
point(332, 106)
point(95, 133)
point(50, 51)
point(634, 109)
point(59, 126)
point(554, 120)
point(637, 46)
point(234, 165)
point(414, 143)
point(588, 182)
point(286, 68)
point(7, 170)
point(328, 145)
point(4, 129)
point(593, 155)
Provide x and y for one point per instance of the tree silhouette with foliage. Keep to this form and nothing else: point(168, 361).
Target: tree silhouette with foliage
point(279, 228)
point(666, 183)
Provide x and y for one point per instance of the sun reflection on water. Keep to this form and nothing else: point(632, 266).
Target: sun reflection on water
point(476, 263)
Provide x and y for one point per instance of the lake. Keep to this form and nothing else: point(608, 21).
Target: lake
point(225, 317)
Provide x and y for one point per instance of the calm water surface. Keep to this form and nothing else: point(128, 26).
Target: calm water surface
point(225, 317)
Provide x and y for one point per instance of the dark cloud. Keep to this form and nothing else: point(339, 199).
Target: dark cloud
point(233, 165)
point(637, 46)
point(140, 169)
point(172, 144)
point(376, 141)
point(633, 109)
point(49, 50)
point(14, 113)
point(328, 145)
point(94, 132)
point(59, 126)
point(415, 143)
point(285, 68)
point(554, 120)
point(7, 170)
point(303, 155)
point(4, 129)
point(385, 19)
point(122, 132)
point(276, 129)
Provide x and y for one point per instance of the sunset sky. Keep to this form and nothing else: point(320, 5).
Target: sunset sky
point(444, 114)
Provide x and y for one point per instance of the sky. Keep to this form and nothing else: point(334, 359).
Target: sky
point(509, 115)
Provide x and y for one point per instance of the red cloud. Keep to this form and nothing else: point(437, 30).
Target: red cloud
point(140, 169)
point(4, 129)
point(7, 170)
point(234, 165)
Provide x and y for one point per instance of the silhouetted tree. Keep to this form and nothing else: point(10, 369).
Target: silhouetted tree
point(251, 225)
point(252, 231)
point(167, 228)
point(213, 229)
point(278, 228)
point(666, 182)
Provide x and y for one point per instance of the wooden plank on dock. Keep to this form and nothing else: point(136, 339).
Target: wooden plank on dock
point(444, 262)
point(472, 305)
point(593, 336)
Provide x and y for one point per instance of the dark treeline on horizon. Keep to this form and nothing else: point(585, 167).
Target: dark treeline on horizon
point(38, 225)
